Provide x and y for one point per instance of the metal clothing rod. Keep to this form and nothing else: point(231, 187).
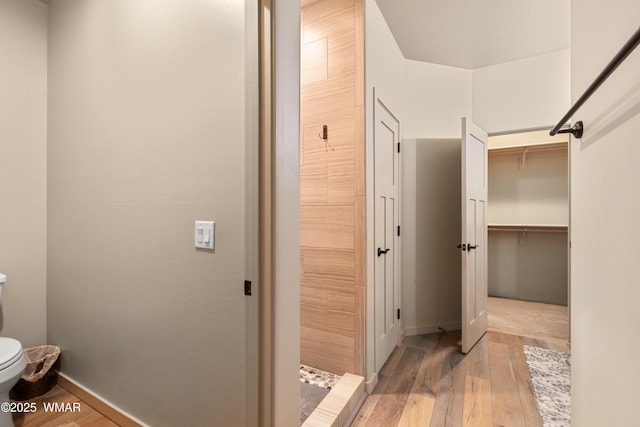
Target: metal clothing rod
point(622, 54)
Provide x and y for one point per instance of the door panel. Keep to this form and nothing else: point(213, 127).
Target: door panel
point(474, 234)
point(386, 287)
point(389, 276)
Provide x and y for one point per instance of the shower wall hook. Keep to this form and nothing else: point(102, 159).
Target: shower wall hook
point(325, 133)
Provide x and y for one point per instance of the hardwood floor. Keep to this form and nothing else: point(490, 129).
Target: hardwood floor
point(428, 382)
point(85, 416)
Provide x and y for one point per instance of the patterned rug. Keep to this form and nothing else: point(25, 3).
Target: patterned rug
point(551, 377)
point(315, 376)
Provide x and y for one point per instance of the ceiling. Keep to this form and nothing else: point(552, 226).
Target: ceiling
point(477, 33)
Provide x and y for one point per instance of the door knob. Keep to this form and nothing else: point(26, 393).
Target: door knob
point(382, 252)
point(472, 247)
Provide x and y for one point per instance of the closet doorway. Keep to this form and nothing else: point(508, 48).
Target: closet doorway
point(528, 227)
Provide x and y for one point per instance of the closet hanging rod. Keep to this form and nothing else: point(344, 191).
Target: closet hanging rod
point(498, 151)
point(622, 54)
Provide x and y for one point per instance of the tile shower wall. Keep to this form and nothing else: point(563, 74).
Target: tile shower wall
point(332, 209)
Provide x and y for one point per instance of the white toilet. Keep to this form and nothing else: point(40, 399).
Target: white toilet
point(12, 364)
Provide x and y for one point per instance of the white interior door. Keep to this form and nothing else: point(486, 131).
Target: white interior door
point(387, 186)
point(474, 234)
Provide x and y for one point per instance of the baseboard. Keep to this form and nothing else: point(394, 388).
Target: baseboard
point(430, 329)
point(371, 384)
point(99, 403)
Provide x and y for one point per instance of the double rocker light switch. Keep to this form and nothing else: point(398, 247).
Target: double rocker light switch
point(205, 234)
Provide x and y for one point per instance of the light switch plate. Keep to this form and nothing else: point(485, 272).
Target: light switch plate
point(205, 236)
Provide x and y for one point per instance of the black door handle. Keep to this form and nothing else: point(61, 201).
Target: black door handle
point(381, 252)
point(472, 247)
point(462, 246)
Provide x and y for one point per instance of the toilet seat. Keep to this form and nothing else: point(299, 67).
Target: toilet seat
point(10, 352)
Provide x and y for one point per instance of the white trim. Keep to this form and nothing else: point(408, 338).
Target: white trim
point(252, 211)
point(102, 400)
point(286, 208)
point(371, 384)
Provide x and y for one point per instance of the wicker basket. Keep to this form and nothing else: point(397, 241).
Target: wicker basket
point(25, 390)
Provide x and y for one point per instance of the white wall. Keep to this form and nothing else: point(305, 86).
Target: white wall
point(429, 100)
point(524, 94)
point(537, 194)
point(384, 63)
point(531, 267)
point(384, 68)
point(605, 226)
point(435, 98)
point(147, 130)
point(408, 236)
point(432, 272)
point(23, 169)
point(286, 173)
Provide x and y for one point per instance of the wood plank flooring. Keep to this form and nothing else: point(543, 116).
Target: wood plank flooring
point(86, 416)
point(428, 382)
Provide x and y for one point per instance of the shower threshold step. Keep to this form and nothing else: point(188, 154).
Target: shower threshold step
point(340, 406)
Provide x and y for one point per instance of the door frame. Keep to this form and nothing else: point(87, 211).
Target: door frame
point(278, 289)
point(570, 140)
point(377, 101)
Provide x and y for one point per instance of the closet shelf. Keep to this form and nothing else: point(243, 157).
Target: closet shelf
point(534, 148)
point(538, 228)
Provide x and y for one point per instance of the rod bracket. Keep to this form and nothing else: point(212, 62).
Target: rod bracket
point(576, 130)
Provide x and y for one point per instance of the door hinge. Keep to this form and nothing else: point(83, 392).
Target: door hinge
point(398, 314)
point(398, 147)
point(247, 287)
point(398, 230)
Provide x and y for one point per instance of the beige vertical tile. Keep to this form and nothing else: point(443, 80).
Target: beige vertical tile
point(342, 52)
point(359, 154)
point(314, 296)
point(314, 61)
point(314, 317)
point(341, 301)
point(341, 323)
point(359, 52)
point(332, 172)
